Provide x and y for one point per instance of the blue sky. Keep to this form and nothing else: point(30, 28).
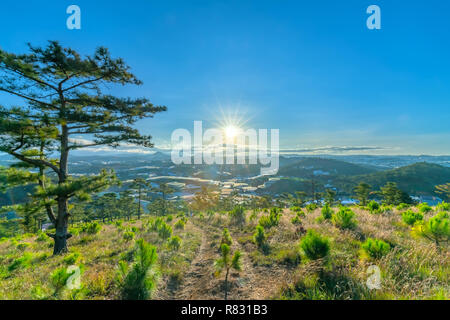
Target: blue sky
point(309, 68)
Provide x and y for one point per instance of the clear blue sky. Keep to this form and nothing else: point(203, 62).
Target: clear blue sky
point(310, 68)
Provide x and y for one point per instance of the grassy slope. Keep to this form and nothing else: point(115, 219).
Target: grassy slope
point(413, 269)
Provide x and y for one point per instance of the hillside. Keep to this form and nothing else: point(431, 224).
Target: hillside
point(412, 269)
point(321, 166)
point(416, 179)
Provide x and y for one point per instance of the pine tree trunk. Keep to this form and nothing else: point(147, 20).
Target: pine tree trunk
point(226, 284)
point(62, 223)
point(62, 219)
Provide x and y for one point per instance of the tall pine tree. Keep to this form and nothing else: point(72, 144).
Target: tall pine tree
point(63, 96)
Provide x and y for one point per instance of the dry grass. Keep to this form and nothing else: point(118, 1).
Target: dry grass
point(413, 268)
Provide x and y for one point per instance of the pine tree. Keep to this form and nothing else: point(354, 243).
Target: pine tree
point(62, 95)
point(362, 192)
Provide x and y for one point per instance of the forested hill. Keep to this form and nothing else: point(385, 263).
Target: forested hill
point(307, 166)
point(417, 179)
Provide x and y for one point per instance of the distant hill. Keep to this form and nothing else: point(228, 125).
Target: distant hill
point(322, 166)
point(416, 179)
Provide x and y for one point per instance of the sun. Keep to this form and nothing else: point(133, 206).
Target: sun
point(231, 131)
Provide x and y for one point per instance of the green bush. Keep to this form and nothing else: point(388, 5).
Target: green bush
point(410, 217)
point(436, 228)
point(402, 206)
point(179, 224)
point(311, 207)
point(375, 248)
point(226, 237)
point(72, 258)
point(424, 208)
point(296, 219)
point(271, 220)
point(137, 282)
point(297, 209)
point(443, 206)
point(74, 231)
point(174, 243)
point(59, 278)
point(128, 235)
point(165, 231)
point(42, 237)
point(327, 212)
point(156, 224)
point(315, 246)
point(290, 257)
point(21, 263)
point(259, 237)
point(344, 218)
point(238, 215)
point(373, 206)
point(91, 227)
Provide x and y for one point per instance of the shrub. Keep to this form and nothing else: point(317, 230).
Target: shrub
point(169, 218)
point(311, 207)
point(72, 258)
point(296, 209)
point(410, 217)
point(227, 262)
point(91, 227)
point(259, 237)
point(375, 248)
point(373, 206)
point(226, 237)
point(137, 282)
point(238, 215)
point(59, 278)
point(74, 231)
point(327, 212)
point(443, 206)
point(179, 224)
point(128, 236)
point(118, 223)
point(402, 206)
point(165, 231)
point(175, 243)
point(42, 237)
point(271, 220)
point(344, 218)
point(289, 257)
point(22, 262)
point(386, 208)
point(424, 208)
point(156, 224)
point(296, 219)
point(436, 229)
point(315, 246)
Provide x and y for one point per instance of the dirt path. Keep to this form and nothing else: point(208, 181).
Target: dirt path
point(256, 282)
point(253, 282)
point(198, 280)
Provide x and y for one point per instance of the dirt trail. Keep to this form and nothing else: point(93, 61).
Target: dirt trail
point(253, 282)
point(256, 282)
point(198, 280)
